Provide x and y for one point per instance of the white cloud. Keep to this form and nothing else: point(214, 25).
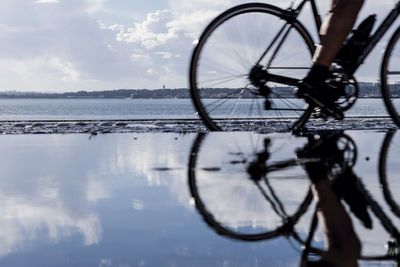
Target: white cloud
point(95, 5)
point(68, 72)
point(138, 57)
point(96, 191)
point(70, 49)
point(153, 32)
point(165, 55)
point(137, 205)
point(47, 1)
point(62, 38)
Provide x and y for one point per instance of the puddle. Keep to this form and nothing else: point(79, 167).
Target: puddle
point(125, 199)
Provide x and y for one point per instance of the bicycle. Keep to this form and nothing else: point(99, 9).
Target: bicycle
point(240, 158)
point(249, 59)
point(228, 183)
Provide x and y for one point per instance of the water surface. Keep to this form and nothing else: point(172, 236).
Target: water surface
point(107, 109)
point(124, 200)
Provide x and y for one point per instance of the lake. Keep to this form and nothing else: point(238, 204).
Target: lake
point(109, 109)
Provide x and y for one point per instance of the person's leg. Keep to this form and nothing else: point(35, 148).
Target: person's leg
point(336, 27)
point(342, 243)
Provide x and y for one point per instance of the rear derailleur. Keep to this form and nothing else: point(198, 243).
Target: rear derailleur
point(258, 78)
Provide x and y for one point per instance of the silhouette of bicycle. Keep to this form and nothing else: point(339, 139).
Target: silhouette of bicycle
point(245, 191)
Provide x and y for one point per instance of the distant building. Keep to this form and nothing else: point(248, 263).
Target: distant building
point(163, 87)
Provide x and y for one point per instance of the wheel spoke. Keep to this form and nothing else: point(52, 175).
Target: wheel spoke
point(236, 103)
point(224, 81)
point(228, 96)
point(223, 101)
point(225, 78)
point(217, 68)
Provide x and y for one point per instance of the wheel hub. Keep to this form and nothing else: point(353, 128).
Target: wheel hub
point(258, 78)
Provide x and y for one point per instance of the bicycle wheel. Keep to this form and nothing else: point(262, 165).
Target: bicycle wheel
point(390, 77)
point(233, 203)
point(231, 46)
point(389, 171)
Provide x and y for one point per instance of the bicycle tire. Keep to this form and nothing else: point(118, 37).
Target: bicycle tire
point(221, 110)
point(383, 173)
point(389, 94)
point(221, 228)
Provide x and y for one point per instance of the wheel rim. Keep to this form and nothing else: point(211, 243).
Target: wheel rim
point(230, 202)
point(225, 54)
point(388, 175)
point(390, 77)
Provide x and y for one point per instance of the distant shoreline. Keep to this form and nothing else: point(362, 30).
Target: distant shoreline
point(366, 90)
point(94, 98)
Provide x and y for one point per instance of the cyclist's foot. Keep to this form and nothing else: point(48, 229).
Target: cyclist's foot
point(322, 97)
point(313, 154)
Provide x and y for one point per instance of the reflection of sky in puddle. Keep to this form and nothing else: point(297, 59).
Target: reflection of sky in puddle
point(66, 200)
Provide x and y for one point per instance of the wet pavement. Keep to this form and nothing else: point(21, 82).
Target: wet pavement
point(184, 126)
point(186, 199)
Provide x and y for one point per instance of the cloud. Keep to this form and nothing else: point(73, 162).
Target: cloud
point(94, 5)
point(60, 43)
point(36, 200)
point(65, 45)
point(47, 1)
point(153, 32)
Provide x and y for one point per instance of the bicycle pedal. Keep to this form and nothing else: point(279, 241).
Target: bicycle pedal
point(326, 115)
point(300, 131)
point(319, 114)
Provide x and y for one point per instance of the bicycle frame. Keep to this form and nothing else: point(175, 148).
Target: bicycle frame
point(375, 38)
point(293, 13)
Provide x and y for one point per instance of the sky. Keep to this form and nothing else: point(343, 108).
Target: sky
point(72, 45)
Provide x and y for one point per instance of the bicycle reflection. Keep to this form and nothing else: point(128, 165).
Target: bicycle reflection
point(271, 194)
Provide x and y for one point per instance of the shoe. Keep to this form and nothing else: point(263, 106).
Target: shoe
point(317, 171)
point(321, 97)
point(314, 153)
point(324, 147)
